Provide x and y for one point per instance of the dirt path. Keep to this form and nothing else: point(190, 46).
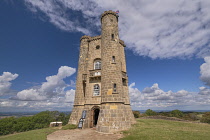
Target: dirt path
point(84, 134)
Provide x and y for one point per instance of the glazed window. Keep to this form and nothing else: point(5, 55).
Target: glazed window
point(113, 59)
point(97, 65)
point(96, 90)
point(97, 47)
point(114, 87)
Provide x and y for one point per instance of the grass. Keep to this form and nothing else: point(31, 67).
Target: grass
point(69, 126)
point(39, 134)
point(154, 129)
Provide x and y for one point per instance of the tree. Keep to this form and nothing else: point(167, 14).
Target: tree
point(136, 114)
point(206, 117)
point(150, 112)
point(176, 113)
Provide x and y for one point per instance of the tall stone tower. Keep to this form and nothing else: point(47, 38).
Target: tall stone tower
point(101, 98)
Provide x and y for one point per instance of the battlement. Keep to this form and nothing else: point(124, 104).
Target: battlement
point(84, 37)
point(109, 12)
point(95, 38)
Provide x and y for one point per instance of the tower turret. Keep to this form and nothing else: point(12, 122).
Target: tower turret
point(101, 97)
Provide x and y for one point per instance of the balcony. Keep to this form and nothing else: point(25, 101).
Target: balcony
point(124, 75)
point(95, 73)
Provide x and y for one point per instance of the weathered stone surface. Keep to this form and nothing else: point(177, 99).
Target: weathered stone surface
point(113, 99)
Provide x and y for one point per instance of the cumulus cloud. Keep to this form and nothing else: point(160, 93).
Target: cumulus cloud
point(5, 82)
point(69, 97)
point(134, 93)
point(54, 86)
point(153, 28)
point(205, 71)
point(156, 98)
point(204, 91)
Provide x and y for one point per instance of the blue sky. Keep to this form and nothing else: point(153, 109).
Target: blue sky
point(168, 52)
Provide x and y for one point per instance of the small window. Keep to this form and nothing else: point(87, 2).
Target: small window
point(114, 87)
point(124, 82)
point(113, 59)
point(97, 47)
point(97, 65)
point(96, 90)
point(112, 36)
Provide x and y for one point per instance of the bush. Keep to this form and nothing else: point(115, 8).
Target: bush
point(150, 112)
point(191, 117)
point(6, 125)
point(38, 121)
point(136, 114)
point(206, 117)
point(176, 113)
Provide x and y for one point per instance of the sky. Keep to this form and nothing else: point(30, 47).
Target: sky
point(167, 52)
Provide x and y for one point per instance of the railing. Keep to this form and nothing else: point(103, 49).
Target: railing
point(95, 73)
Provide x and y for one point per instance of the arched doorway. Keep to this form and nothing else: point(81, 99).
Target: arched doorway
point(94, 116)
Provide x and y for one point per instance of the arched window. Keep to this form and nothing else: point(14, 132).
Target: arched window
point(97, 64)
point(96, 90)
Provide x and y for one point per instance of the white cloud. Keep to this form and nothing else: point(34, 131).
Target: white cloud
point(69, 97)
point(55, 86)
point(205, 71)
point(155, 98)
point(134, 93)
point(153, 28)
point(5, 82)
point(204, 91)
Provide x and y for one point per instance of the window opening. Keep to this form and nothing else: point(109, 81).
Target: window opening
point(97, 47)
point(124, 82)
point(97, 65)
point(96, 90)
point(115, 87)
point(112, 36)
point(113, 59)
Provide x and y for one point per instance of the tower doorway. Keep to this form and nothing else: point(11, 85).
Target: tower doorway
point(94, 116)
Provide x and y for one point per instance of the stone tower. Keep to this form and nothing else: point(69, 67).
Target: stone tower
point(101, 98)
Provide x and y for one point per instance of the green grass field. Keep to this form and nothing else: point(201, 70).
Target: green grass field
point(144, 129)
point(154, 129)
point(39, 134)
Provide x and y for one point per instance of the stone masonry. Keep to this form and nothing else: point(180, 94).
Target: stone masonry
point(102, 81)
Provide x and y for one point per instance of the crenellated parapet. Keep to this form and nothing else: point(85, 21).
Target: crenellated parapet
point(94, 38)
point(84, 37)
point(109, 12)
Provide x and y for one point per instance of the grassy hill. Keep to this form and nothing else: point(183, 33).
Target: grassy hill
point(39, 134)
point(144, 129)
point(155, 129)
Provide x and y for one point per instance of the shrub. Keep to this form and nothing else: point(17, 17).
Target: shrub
point(6, 125)
point(191, 117)
point(38, 121)
point(150, 112)
point(206, 117)
point(176, 113)
point(136, 114)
